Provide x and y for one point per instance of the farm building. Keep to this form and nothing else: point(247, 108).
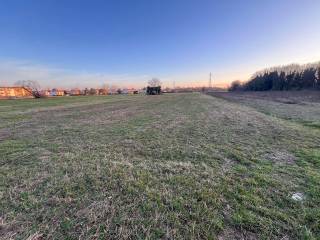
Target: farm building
point(15, 92)
point(153, 90)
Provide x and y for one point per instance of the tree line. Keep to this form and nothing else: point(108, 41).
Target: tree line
point(282, 78)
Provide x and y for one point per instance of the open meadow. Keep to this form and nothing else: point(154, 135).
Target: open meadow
point(174, 166)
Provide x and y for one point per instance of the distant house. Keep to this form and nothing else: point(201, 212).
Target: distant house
point(15, 92)
point(103, 91)
point(45, 93)
point(76, 92)
point(96, 92)
point(129, 91)
point(113, 91)
point(57, 92)
point(93, 91)
point(132, 91)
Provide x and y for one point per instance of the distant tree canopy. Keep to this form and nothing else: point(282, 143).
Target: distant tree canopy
point(289, 77)
point(154, 82)
point(235, 85)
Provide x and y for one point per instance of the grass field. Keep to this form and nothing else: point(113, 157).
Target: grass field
point(298, 106)
point(176, 166)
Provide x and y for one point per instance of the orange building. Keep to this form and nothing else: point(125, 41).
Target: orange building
point(15, 92)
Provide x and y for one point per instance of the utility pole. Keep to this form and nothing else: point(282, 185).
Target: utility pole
point(210, 81)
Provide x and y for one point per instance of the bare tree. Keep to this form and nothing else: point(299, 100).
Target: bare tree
point(154, 82)
point(31, 85)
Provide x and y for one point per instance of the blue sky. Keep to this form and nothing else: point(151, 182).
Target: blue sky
point(77, 43)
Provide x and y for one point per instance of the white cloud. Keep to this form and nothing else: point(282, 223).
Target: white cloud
point(49, 77)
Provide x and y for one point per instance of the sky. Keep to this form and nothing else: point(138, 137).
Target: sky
point(88, 43)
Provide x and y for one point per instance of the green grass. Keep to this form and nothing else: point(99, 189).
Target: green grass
point(311, 124)
point(183, 166)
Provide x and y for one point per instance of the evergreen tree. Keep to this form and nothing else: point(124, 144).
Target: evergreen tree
point(289, 77)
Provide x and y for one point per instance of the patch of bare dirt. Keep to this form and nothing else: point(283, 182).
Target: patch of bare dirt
point(234, 234)
point(4, 134)
point(280, 157)
point(7, 231)
point(35, 236)
point(227, 165)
